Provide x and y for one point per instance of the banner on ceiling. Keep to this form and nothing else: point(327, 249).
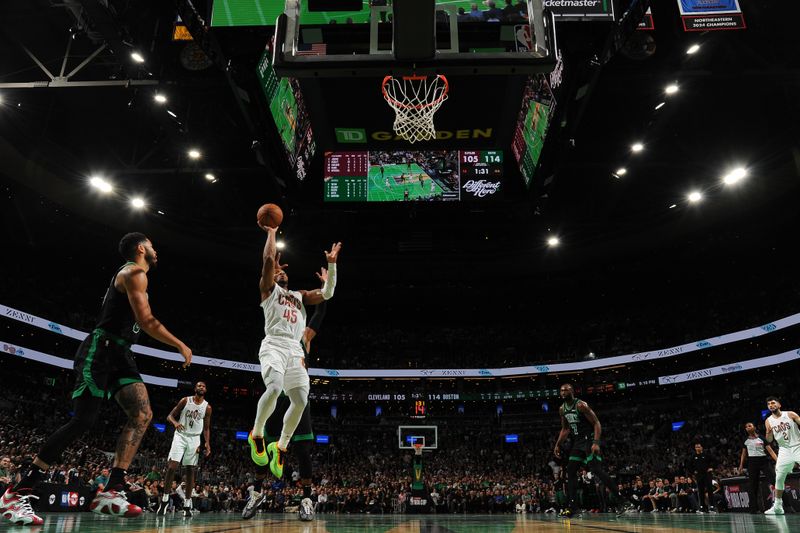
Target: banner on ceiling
point(711, 15)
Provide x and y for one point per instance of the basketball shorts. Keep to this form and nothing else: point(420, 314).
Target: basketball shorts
point(103, 365)
point(787, 457)
point(581, 451)
point(184, 449)
point(275, 422)
point(287, 358)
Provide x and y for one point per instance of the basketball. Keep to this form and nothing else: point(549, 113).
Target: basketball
point(269, 215)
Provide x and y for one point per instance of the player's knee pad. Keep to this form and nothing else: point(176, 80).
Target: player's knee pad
point(299, 396)
point(273, 380)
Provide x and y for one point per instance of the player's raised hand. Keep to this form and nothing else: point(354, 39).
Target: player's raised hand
point(268, 230)
point(334, 253)
point(186, 352)
point(322, 275)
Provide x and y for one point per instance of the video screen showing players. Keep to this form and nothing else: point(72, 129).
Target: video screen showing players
point(288, 110)
point(412, 176)
point(537, 108)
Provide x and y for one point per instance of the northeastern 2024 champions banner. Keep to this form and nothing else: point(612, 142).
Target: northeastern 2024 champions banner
point(709, 15)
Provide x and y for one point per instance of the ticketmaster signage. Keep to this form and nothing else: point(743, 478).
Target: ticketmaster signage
point(652, 355)
point(581, 9)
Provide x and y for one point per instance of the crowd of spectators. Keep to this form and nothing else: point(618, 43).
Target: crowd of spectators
point(363, 471)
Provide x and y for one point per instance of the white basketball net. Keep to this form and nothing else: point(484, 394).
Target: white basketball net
point(415, 99)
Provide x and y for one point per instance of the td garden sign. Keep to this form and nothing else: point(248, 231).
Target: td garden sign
point(360, 135)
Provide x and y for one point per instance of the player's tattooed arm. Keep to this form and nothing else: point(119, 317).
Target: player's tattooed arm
point(769, 435)
point(173, 416)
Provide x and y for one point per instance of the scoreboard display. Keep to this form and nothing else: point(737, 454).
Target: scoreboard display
point(483, 164)
point(397, 176)
point(344, 176)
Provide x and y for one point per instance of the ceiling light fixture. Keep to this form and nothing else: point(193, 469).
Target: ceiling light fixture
point(136, 56)
point(553, 241)
point(101, 184)
point(735, 176)
point(137, 203)
point(160, 98)
point(194, 153)
point(693, 49)
point(671, 89)
point(637, 147)
point(695, 196)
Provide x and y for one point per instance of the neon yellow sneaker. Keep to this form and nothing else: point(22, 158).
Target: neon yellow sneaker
point(256, 443)
point(275, 459)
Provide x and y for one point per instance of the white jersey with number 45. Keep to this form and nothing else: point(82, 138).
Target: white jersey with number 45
point(284, 315)
point(785, 430)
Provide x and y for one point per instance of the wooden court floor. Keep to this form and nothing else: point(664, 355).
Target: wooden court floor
point(224, 523)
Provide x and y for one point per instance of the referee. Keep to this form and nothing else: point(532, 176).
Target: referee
point(756, 450)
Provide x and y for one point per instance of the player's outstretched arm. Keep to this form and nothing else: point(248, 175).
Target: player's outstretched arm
point(794, 416)
point(172, 417)
point(328, 278)
point(135, 283)
point(267, 281)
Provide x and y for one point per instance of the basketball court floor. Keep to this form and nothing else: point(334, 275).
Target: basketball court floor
point(221, 523)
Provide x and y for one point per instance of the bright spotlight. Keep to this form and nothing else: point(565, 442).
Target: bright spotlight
point(673, 206)
point(170, 113)
point(671, 89)
point(138, 203)
point(621, 171)
point(280, 245)
point(194, 153)
point(136, 56)
point(101, 184)
point(659, 106)
point(735, 176)
point(160, 98)
point(637, 147)
point(695, 196)
point(211, 177)
point(553, 241)
point(693, 49)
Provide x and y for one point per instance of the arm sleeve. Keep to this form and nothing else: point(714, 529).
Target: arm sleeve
point(330, 283)
point(315, 322)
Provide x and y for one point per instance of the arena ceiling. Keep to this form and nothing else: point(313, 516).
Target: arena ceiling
point(737, 105)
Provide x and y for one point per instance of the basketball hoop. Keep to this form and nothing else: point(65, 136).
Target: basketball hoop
point(418, 448)
point(415, 99)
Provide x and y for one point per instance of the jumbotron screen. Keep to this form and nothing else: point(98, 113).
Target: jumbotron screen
point(288, 110)
point(422, 176)
point(534, 118)
point(226, 13)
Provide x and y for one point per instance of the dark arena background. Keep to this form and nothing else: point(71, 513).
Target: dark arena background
point(604, 207)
